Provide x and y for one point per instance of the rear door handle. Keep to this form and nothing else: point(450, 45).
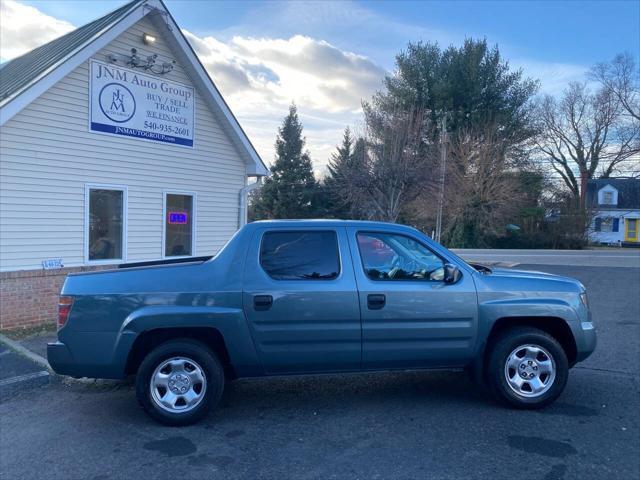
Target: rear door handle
point(376, 301)
point(262, 302)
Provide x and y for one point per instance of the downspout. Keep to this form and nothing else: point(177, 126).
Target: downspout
point(244, 193)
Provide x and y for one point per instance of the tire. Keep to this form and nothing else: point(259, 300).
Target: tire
point(179, 382)
point(527, 368)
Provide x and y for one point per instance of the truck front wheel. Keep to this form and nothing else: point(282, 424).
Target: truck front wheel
point(527, 368)
point(179, 382)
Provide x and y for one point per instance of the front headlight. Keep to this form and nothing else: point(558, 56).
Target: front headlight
point(583, 299)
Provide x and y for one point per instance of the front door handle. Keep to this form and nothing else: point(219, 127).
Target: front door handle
point(262, 302)
point(376, 301)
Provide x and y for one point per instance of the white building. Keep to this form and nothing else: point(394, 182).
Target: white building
point(115, 146)
point(614, 204)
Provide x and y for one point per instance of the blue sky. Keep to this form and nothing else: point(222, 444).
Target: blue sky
point(348, 46)
point(580, 32)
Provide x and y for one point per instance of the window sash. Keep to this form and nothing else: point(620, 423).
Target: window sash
point(191, 219)
point(399, 235)
point(87, 224)
point(278, 278)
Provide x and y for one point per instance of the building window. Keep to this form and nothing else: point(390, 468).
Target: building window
point(604, 224)
point(607, 198)
point(178, 224)
point(387, 256)
point(105, 222)
point(300, 255)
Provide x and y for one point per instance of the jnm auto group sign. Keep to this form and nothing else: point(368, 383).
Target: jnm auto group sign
point(129, 103)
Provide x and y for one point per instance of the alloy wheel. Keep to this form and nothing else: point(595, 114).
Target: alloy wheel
point(178, 385)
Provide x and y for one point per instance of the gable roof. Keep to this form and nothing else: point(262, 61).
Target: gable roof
point(628, 192)
point(25, 78)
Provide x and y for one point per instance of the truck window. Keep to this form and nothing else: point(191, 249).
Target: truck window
point(387, 256)
point(300, 255)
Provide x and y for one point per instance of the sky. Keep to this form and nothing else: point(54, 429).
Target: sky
point(329, 56)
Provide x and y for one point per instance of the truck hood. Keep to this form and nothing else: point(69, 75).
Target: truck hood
point(530, 280)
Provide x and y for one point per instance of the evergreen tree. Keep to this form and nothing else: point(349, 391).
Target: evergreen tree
point(472, 83)
point(291, 190)
point(344, 169)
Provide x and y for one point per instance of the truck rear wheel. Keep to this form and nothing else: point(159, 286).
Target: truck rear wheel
point(179, 382)
point(527, 368)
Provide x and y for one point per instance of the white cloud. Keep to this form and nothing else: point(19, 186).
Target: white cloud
point(25, 28)
point(260, 77)
point(554, 77)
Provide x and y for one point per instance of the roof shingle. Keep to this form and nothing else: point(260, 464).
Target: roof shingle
point(628, 191)
point(17, 74)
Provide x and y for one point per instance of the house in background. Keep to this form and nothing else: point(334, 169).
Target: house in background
point(615, 207)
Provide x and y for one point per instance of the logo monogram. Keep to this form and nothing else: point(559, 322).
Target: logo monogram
point(117, 103)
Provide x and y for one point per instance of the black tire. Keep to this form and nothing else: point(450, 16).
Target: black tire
point(200, 355)
point(501, 349)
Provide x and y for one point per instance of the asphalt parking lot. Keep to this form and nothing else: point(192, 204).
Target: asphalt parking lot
point(411, 425)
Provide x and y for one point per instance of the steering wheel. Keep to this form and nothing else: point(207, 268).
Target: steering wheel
point(393, 272)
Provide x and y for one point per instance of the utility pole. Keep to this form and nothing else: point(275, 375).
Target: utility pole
point(443, 167)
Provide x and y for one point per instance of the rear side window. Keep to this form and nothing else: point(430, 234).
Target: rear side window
point(300, 255)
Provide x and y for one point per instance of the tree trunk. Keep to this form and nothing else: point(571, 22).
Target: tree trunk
point(584, 176)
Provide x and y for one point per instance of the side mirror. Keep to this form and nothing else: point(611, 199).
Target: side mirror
point(451, 273)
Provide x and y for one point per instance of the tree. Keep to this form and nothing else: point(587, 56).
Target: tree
point(345, 164)
point(586, 132)
point(472, 85)
point(485, 186)
point(291, 190)
point(473, 88)
point(621, 78)
point(395, 166)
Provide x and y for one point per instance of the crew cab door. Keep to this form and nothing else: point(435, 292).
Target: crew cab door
point(301, 302)
point(410, 317)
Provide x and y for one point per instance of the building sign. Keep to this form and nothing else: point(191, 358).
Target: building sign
point(133, 104)
point(52, 263)
point(178, 218)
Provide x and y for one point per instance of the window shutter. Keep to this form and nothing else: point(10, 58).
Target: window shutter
point(598, 224)
point(616, 223)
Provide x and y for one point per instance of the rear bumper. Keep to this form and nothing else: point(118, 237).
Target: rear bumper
point(60, 358)
point(63, 362)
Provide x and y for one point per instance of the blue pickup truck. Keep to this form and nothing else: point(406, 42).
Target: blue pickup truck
point(305, 297)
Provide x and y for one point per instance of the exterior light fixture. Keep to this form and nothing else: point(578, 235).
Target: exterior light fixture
point(148, 39)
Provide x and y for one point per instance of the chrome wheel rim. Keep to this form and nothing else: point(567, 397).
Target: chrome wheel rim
point(178, 385)
point(530, 371)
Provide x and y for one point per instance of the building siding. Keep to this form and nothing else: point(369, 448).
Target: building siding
point(48, 155)
point(612, 237)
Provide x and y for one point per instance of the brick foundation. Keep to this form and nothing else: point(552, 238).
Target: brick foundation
point(29, 298)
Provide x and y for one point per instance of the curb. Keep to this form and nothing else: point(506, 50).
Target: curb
point(25, 352)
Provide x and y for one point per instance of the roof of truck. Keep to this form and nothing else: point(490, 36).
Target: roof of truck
point(320, 222)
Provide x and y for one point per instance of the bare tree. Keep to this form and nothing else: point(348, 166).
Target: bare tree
point(485, 183)
point(621, 78)
point(584, 135)
point(394, 166)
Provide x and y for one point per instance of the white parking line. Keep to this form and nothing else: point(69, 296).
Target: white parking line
point(23, 378)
